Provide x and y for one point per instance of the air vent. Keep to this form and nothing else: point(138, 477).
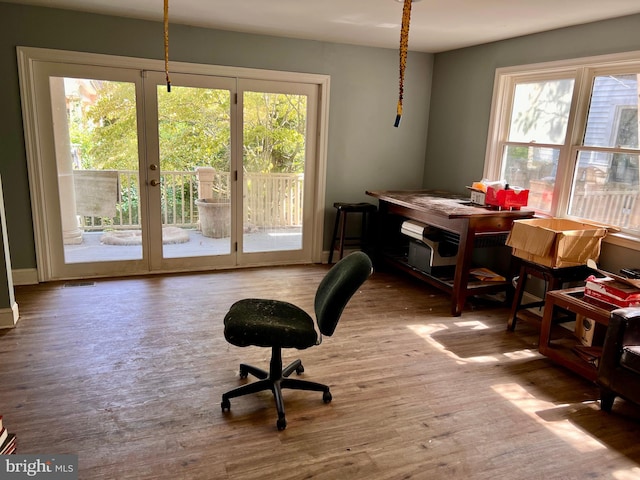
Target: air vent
point(80, 284)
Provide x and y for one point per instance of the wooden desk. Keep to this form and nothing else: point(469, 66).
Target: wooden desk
point(473, 225)
point(559, 349)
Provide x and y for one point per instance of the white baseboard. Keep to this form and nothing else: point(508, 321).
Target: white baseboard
point(25, 276)
point(9, 316)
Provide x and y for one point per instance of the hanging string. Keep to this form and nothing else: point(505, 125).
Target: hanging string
point(404, 46)
point(166, 43)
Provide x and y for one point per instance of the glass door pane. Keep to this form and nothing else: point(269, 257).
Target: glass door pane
point(96, 150)
point(89, 209)
point(189, 165)
point(274, 159)
point(195, 162)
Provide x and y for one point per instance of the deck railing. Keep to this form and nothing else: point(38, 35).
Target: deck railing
point(270, 200)
point(273, 199)
point(619, 208)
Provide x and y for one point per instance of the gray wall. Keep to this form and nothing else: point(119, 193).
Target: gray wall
point(461, 100)
point(365, 151)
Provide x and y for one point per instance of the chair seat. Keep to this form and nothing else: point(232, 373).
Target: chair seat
point(269, 323)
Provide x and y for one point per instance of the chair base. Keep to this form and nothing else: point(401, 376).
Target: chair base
point(275, 380)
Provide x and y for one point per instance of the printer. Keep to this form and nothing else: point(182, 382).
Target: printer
point(429, 251)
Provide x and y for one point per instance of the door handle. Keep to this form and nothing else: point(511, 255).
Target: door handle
point(153, 166)
point(154, 183)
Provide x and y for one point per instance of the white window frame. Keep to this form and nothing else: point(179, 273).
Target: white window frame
point(583, 70)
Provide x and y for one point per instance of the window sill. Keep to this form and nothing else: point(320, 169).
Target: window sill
point(623, 240)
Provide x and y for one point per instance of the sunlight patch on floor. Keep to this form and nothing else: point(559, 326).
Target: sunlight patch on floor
point(520, 354)
point(631, 474)
point(472, 325)
point(550, 415)
point(427, 331)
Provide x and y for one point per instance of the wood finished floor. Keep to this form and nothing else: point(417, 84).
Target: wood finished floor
point(128, 375)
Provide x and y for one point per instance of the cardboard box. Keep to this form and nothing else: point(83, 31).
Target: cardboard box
point(589, 332)
point(615, 293)
point(555, 242)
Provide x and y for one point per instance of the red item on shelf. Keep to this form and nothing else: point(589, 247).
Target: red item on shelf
point(611, 291)
point(507, 198)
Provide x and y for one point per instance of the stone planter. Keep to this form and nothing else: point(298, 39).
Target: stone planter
point(215, 217)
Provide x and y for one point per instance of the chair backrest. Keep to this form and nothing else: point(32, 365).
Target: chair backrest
point(337, 288)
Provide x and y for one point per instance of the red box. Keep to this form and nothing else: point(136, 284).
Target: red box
point(611, 291)
point(511, 198)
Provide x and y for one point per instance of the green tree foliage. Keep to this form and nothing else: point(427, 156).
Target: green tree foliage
point(108, 135)
point(194, 129)
point(274, 132)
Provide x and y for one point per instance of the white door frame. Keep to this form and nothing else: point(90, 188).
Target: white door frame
point(310, 171)
point(153, 80)
point(27, 58)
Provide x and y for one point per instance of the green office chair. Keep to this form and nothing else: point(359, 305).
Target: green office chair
point(278, 324)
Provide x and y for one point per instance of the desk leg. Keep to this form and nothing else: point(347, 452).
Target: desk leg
point(545, 327)
point(461, 277)
point(378, 232)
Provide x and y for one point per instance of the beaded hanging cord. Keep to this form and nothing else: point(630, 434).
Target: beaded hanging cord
point(404, 45)
point(166, 43)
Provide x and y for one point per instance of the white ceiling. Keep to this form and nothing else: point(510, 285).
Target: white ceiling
point(436, 25)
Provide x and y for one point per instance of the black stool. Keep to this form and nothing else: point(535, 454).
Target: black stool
point(341, 223)
point(554, 278)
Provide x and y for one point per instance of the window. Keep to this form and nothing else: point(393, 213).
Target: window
point(568, 132)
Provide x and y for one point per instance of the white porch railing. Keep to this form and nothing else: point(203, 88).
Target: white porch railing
point(270, 200)
point(273, 199)
point(619, 208)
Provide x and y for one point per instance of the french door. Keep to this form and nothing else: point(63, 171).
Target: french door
point(190, 167)
point(277, 173)
point(129, 178)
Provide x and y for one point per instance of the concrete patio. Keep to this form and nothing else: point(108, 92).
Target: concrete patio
point(264, 240)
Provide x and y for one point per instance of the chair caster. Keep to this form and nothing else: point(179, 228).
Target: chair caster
point(281, 423)
point(225, 404)
point(326, 397)
point(300, 369)
point(243, 373)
